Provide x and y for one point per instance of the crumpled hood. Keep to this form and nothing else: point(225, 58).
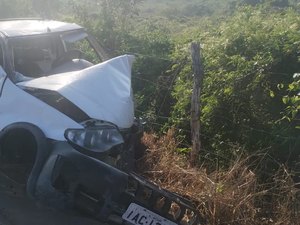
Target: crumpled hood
point(102, 91)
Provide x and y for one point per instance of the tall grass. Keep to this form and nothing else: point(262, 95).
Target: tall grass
point(235, 195)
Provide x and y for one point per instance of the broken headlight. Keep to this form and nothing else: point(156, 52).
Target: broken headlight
point(94, 140)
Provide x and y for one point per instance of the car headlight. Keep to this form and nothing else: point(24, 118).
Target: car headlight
point(96, 139)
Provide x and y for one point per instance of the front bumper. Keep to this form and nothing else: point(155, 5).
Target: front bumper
point(70, 180)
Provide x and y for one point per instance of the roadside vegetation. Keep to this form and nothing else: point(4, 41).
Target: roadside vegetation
point(234, 195)
point(249, 162)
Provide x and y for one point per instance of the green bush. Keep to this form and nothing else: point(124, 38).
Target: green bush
point(245, 58)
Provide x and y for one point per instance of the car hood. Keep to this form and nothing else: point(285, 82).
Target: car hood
point(102, 91)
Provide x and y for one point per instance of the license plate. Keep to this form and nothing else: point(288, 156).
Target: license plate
point(138, 215)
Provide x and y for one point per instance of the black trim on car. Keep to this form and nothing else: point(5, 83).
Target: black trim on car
point(60, 103)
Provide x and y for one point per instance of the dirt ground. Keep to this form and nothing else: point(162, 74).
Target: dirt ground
point(22, 211)
point(17, 209)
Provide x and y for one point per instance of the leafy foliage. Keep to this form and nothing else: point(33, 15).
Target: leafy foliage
point(245, 57)
point(292, 100)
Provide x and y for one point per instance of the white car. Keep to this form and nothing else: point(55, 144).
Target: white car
point(67, 127)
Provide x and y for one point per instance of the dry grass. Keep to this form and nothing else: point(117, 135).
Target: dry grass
point(231, 196)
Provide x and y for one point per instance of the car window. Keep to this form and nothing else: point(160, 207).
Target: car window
point(88, 53)
point(78, 41)
point(43, 55)
point(33, 56)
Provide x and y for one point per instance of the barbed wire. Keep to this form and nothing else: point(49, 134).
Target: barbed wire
point(229, 144)
point(168, 88)
point(244, 126)
point(140, 54)
point(237, 148)
point(150, 82)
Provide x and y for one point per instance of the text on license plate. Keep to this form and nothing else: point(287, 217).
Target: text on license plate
point(138, 215)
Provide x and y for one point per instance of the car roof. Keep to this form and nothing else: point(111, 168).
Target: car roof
point(26, 27)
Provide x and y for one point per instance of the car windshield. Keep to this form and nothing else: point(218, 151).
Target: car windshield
point(44, 55)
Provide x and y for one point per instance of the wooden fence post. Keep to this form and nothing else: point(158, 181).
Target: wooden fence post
point(195, 104)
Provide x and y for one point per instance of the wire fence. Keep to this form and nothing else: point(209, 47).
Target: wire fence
point(168, 89)
point(295, 200)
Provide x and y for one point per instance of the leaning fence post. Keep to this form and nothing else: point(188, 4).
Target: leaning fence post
point(195, 103)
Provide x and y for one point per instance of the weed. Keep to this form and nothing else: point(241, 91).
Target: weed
point(235, 196)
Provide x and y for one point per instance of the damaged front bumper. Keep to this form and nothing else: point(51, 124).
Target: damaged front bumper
point(106, 193)
point(67, 179)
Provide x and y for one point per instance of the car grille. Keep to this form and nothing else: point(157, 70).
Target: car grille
point(169, 205)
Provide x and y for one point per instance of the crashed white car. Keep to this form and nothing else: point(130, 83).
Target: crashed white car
point(67, 127)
